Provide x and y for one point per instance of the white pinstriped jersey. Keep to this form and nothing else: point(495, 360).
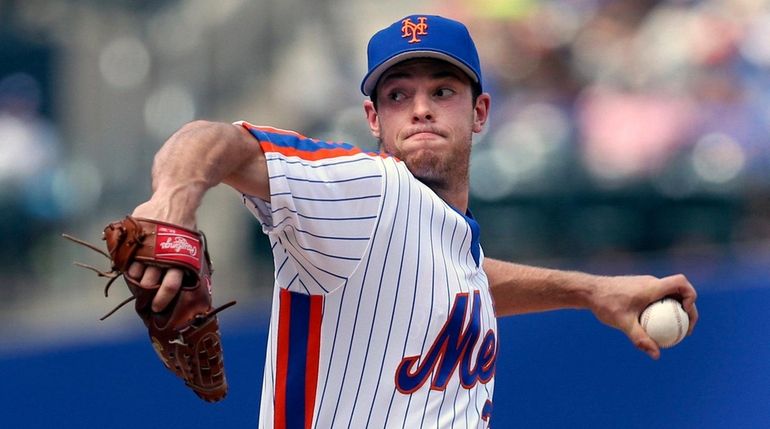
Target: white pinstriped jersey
point(381, 315)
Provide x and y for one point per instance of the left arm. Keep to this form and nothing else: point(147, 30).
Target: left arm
point(616, 301)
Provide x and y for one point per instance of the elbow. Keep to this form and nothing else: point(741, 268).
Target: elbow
point(197, 126)
point(189, 137)
point(205, 131)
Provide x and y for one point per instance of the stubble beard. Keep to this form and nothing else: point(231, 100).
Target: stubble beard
point(439, 171)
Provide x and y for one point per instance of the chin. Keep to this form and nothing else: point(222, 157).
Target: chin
point(427, 167)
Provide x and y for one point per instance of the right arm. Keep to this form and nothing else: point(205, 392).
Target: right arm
point(193, 160)
point(615, 300)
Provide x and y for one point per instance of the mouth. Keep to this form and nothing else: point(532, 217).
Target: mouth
point(423, 134)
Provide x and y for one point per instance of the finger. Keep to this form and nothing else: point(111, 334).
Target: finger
point(688, 303)
point(172, 281)
point(643, 342)
point(693, 314)
point(151, 277)
point(136, 270)
point(687, 292)
point(679, 286)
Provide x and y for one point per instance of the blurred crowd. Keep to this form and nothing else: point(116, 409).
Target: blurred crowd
point(618, 126)
point(643, 124)
point(674, 92)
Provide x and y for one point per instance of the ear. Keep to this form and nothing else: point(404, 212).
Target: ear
point(372, 118)
point(481, 112)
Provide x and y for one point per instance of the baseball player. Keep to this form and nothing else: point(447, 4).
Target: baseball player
point(384, 310)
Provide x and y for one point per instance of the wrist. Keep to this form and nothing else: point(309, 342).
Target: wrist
point(585, 290)
point(175, 204)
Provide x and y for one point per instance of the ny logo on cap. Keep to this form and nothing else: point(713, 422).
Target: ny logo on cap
point(410, 29)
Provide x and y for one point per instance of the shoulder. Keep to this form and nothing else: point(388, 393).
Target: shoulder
point(293, 144)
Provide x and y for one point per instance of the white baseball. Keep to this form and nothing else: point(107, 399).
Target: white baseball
point(665, 321)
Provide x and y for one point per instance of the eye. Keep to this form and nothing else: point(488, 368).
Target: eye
point(396, 96)
point(444, 92)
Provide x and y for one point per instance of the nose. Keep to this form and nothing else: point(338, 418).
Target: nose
point(422, 109)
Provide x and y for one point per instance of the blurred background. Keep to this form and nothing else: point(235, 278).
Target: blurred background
point(626, 137)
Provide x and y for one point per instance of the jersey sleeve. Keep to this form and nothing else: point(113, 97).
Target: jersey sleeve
point(324, 204)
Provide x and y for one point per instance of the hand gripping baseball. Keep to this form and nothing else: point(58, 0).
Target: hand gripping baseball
point(185, 334)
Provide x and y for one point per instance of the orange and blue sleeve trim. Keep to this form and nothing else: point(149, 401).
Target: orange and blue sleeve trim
point(299, 346)
point(290, 143)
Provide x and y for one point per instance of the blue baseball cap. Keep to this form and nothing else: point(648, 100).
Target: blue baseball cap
point(421, 36)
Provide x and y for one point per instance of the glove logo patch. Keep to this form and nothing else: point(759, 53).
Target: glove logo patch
point(173, 244)
point(179, 244)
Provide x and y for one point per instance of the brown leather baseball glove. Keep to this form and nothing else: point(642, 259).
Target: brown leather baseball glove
point(185, 334)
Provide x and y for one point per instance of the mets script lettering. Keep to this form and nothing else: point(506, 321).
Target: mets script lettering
point(452, 349)
point(410, 29)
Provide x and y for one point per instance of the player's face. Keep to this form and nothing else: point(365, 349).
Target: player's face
point(426, 117)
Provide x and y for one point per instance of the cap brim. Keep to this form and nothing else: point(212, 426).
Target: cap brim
point(371, 79)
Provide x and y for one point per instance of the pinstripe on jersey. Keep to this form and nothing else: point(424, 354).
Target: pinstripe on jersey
point(407, 327)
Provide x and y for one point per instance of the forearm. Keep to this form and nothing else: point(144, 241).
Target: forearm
point(198, 157)
point(518, 289)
